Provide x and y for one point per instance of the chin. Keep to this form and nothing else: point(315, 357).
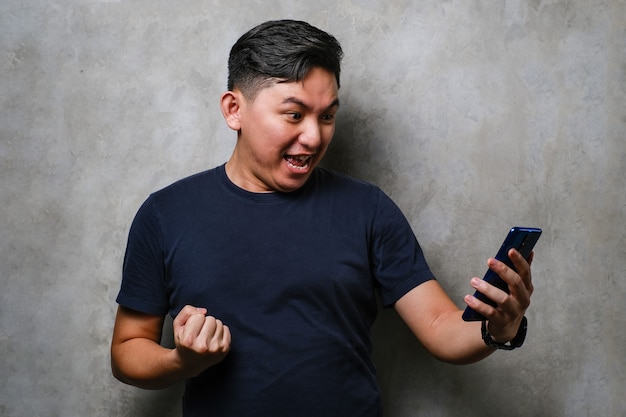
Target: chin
point(290, 181)
point(288, 186)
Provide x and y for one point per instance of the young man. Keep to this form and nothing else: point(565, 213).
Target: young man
point(270, 264)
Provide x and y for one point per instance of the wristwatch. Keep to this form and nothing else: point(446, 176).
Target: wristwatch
point(516, 342)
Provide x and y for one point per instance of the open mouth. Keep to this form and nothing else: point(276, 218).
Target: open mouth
point(298, 161)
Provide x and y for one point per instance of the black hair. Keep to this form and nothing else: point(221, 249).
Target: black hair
point(280, 51)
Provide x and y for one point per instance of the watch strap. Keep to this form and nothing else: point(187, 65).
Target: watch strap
point(516, 342)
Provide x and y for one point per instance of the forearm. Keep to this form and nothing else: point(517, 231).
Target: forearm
point(455, 341)
point(436, 321)
point(146, 364)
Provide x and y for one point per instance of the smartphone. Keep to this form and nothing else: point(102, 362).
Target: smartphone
point(521, 238)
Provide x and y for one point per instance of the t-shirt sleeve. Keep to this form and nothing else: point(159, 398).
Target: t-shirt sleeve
point(398, 262)
point(143, 284)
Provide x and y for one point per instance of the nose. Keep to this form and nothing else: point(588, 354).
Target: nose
point(311, 134)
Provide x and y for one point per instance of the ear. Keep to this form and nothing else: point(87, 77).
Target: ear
point(231, 103)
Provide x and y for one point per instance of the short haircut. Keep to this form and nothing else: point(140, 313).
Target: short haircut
point(280, 51)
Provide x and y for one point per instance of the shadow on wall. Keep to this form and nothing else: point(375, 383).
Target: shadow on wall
point(358, 147)
point(413, 382)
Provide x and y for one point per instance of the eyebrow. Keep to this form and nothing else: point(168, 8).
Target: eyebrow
point(300, 103)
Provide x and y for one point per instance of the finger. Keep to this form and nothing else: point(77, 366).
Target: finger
point(520, 286)
point(227, 337)
point(513, 280)
point(522, 267)
point(185, 313)
point(209, 328)
point(490, 291)
point(506, 309)
point(189, 333)
point(480, 307)
point(516, 289)
point(215, 334)
point(225, 340)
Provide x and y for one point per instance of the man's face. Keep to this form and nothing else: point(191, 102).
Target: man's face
point(284, 133)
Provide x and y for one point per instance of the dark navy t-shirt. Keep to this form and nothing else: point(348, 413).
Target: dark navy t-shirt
point(293, 275)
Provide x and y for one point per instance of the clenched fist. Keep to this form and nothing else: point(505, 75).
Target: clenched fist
point(201, 341)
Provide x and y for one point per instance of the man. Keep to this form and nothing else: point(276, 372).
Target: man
point(270, 264)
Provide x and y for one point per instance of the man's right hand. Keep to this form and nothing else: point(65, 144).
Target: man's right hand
point(201, 341)
point(137, 357)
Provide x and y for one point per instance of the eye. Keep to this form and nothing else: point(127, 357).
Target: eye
point(295, 116)
point(328, 118)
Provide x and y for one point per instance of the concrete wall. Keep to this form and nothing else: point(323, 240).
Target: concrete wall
point(473, 115)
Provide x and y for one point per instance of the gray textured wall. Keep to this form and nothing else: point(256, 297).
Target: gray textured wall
point(473, 115)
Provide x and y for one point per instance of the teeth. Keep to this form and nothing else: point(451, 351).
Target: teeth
point(300, 158)
point(298, 161)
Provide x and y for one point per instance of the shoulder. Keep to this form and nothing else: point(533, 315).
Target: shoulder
point(351, 190)
point(188, 185)
point(184, 196)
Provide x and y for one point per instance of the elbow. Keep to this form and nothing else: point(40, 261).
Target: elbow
point(117, 373)
point(459, 357)
point(117, 370)
point(139, 383)
point(451, 360)
point(131, 376)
